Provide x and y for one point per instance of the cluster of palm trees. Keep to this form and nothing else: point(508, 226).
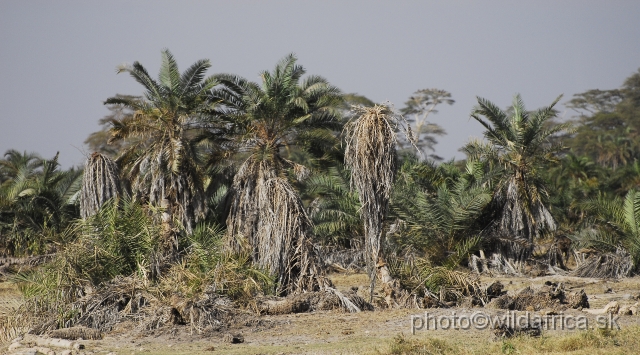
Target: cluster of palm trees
point(286, 164)
point(37, 202)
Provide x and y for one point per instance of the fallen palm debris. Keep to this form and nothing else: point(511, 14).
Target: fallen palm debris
point(606, 266)
point(550, 296)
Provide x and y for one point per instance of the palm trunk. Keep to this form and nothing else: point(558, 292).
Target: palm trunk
point(268, 221)
point(371, 156)
point(169, 234)
point(100, 183)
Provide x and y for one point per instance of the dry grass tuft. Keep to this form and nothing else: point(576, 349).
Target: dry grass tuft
point(404, 346)
point(625, 341)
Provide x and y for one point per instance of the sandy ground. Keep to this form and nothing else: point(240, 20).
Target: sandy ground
point(334, 332)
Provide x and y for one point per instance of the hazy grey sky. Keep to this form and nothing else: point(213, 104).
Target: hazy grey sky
point(58, 58)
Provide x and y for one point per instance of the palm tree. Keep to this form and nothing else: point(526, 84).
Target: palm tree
point(371, 156)
point(162, 160)
point(267, 218)
point(18, 166)
point(98, 141)
point(438, 222)
point(334, 208)
point(618, 225)
point(37, 203)
point(518, 145)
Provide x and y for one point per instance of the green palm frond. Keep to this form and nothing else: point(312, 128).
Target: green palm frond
point(632, 213)
point(334, 209)
point(169, 74)
point(443, 218)
point(617, 223)
point(194, 75)
point(592, 238)
point(140, 74)
point(69, 186)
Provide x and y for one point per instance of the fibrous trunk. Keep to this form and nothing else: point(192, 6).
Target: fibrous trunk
point(522, 218)
point(371, 155)
point(268, 220)
point(179, 194)
point(100, 183)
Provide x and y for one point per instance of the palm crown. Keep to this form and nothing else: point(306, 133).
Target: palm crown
point(282, 111)
point(162, 159)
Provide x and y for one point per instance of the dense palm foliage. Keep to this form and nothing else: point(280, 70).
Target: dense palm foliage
point(617, 225)
point(518, 145)
point(284, 111)
point(227, 186)
point(334, 208)
point(440, 218)
point(168, 122)
point(37, 203)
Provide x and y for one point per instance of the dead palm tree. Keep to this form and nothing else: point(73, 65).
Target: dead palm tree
point(162, 160)
point(267, 218)
point(371, 156)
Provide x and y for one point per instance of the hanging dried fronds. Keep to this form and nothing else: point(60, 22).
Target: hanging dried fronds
point(178, 191)
point(100, 183)
point(370, 153)
point(268, 219)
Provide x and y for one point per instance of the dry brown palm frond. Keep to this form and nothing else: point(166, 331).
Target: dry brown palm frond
point(370, 154)
point(100, 183)
point(555, 257)
point(268, 218)
point(11, 327)
point(75, 333)
point(177, 190)
point(327, 299)
point(428, 283)
point(606, 265)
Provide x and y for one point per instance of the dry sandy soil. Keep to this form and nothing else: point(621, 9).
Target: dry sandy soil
point(335, 332)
